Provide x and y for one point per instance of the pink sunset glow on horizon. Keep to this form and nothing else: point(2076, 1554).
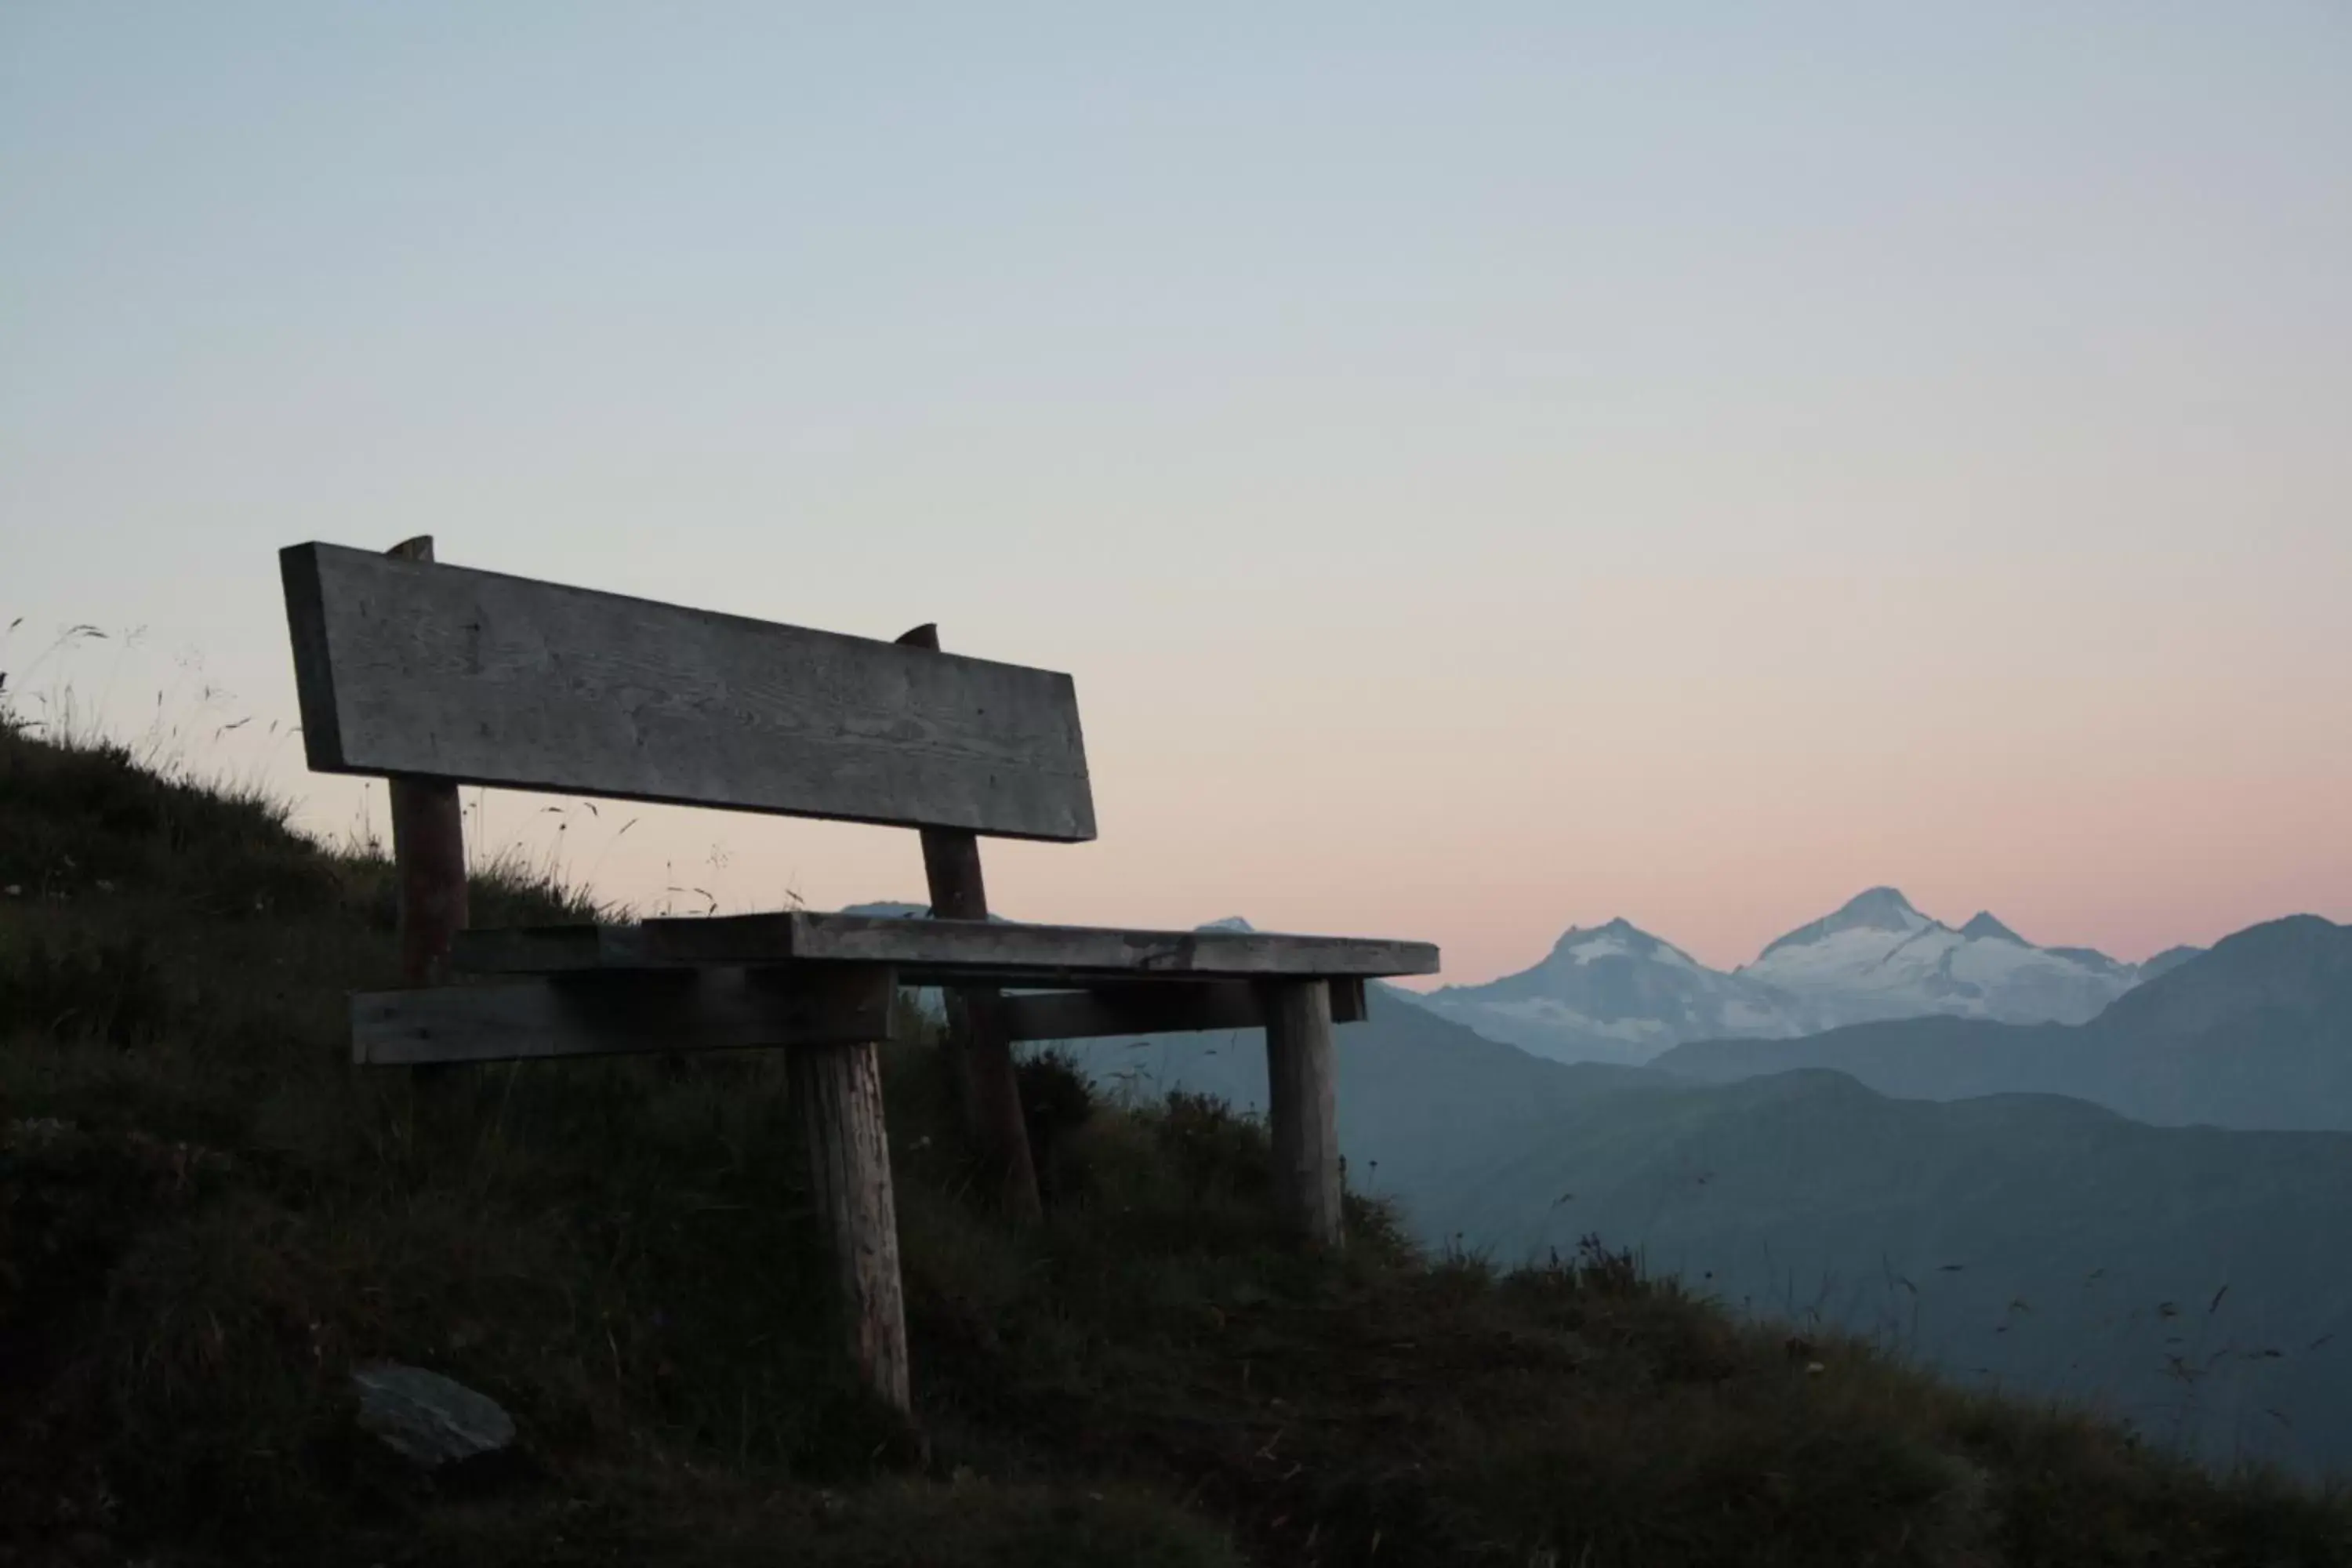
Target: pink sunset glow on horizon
point(1692, 771)
point(1691, 475)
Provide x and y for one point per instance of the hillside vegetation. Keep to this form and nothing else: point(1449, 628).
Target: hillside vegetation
point(2164, 1275)
point(208, 1218)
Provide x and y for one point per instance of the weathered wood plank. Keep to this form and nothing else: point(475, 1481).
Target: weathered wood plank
point(435, 671)
point(1302, 1106)
point(839, 1091)
point(428, 853)
point(983, 946)
point(1154, 1007)
point(976, 1037)
point(933, 951)
point(620, 1012)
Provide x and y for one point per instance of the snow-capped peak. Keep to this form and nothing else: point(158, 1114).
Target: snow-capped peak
point(1619, 937)
point(1877, 910)
point(1615, 992)
point(1983, 924)
point(1878, 957)
point(1612, 992)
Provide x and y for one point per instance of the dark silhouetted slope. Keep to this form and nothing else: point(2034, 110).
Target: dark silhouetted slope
point(1806, 1192)
point(208, 1219)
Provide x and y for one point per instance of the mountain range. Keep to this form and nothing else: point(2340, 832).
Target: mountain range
point(2175, 1276)
point(1616, 994)
point(2256, 1034)
point(1958, 1187)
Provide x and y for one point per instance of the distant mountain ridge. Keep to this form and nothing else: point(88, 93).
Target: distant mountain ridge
point(2035, 1240)
point(2256, 1034)
point(1871, 910)
point(1615, 992)
point(1879, 957)
point(1983, 923)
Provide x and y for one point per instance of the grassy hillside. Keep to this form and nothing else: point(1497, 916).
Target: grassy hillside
point(2167, 1274)
point(207, 1218)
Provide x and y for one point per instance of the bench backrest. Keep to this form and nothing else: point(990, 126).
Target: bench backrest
point(409, 668)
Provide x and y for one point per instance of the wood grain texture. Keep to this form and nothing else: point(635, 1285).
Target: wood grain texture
point(839, 1091)
point(620, 1012)
point(990, 1091)
point(435, 671)
point(428, 857)
point(428, 853)
point(1154, 1007)
point(935, 951)
point(1302, 1108)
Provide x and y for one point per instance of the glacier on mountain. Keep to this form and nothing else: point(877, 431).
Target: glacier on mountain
point(1878, 958)
point(1615, 992)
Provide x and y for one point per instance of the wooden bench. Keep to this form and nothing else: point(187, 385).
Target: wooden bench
point(433, 675)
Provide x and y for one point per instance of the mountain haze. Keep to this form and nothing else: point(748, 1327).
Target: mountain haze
point(1616, 992)
point(2256, 1034)
point(2026, 1241)
point(1878, 957)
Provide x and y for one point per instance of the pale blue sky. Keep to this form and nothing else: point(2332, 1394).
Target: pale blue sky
point(1487, 466)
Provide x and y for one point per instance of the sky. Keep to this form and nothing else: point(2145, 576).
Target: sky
point(1487, 467)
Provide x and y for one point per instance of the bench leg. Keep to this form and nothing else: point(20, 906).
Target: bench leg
point(991, 1088)
point(428, 859)
point(1301, 1080)
point(991, 1098)
point(839, 1091)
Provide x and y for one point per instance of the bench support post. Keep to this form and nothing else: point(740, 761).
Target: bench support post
point(428, 856)
point(1302, 1104)
point(839, 1091)
point(977, 1032)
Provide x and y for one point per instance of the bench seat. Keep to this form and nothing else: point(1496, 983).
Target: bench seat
point(798, 978)
point(936, 951)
